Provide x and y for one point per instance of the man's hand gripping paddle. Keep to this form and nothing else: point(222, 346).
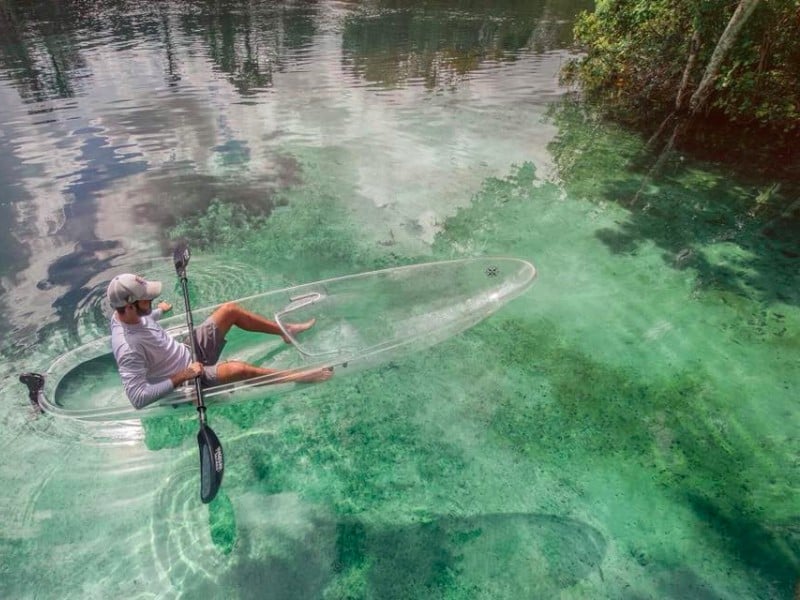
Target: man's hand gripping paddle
point(212, 461)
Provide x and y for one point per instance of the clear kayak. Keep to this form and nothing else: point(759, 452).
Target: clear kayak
point(362, 320)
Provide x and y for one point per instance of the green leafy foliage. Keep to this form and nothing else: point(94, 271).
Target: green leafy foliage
point(636, 52)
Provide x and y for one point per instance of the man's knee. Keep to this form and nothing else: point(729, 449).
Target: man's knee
point(235, 370)
point(230, 307)
point(226, 313)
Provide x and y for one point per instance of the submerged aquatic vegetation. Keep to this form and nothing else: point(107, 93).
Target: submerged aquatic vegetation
point(222, 522)
point(549, 386)
point(580, 405)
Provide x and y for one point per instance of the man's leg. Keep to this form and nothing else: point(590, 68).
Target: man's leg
point(235, 370)
point(230, 314)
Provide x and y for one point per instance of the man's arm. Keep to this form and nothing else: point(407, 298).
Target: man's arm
point(160, 310)
point(193, 370)
point(141, 392)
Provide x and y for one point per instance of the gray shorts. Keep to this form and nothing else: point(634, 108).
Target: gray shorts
point(208, 345)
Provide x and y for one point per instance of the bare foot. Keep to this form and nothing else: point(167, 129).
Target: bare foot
point(295, 328)
point(316, 375)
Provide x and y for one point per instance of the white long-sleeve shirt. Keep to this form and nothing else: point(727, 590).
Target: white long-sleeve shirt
point(147, 356)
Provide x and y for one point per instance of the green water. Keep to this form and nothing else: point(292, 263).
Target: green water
point(626, 429)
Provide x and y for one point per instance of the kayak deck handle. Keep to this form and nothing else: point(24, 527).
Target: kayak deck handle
point(301, 301)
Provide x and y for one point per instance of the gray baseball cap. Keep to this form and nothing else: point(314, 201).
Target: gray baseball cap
point(127, 288)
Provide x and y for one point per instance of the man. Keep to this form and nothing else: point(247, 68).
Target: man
point(152, 363)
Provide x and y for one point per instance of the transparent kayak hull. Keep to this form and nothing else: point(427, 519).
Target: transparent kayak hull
point(362, 320)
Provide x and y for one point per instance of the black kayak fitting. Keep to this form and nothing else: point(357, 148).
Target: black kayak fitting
point(35, 383)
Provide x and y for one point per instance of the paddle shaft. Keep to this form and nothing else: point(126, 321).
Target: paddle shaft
point(201, 407)
point(212, 460)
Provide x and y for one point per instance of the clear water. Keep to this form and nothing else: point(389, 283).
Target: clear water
point(627, 429)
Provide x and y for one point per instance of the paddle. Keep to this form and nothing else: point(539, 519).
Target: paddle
point(212, 462)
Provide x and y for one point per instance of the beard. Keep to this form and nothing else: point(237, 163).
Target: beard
point(143, 312)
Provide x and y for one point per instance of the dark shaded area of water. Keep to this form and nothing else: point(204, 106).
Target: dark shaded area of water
point(681, 212)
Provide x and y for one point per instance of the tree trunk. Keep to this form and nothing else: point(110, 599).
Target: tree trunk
point(678, 119)
point(694, 48)
point(726, 40)
point(680, 97)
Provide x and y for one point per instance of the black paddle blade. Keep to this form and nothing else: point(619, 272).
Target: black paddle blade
point(180, 256)
point(212, 463)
